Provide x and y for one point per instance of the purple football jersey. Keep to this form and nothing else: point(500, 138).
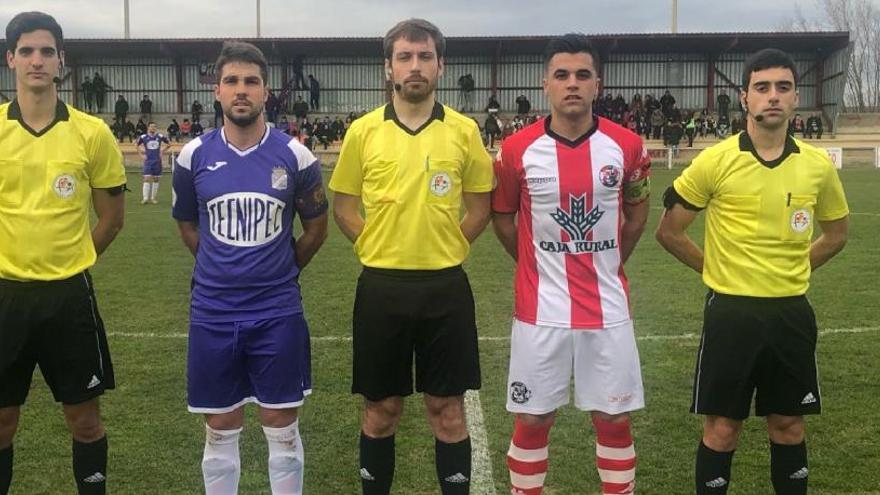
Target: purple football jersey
point(244, 203)
point(152, 147)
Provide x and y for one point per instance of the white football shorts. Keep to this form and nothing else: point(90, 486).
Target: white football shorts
point(605, 363)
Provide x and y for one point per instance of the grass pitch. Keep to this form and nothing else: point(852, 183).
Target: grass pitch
point(156, 446)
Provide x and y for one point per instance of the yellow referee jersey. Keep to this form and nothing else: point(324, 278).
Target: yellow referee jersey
point(759, 214)
point(411, 185)
point(46, 179)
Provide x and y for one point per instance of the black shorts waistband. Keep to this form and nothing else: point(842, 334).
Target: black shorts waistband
point(756, 300)
point(45, 284)
point(414, 274)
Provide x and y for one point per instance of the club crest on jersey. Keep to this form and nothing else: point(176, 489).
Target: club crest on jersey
point(279, 178)
point(577, 223)
point(246, 219)
point(519, 393)
point(64, 186)
point(440, 184)
point(609, 175)
point(800, 221)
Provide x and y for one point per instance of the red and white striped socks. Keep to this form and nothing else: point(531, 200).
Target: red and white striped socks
point(527, 458)
point(615, 457)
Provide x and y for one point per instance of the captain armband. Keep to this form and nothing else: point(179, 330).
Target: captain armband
point(637, 191)
point(671, 197)
point(117, 190)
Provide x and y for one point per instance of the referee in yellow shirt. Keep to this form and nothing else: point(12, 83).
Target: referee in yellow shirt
point(55, 163)
point(411, 163)
point(762, 191)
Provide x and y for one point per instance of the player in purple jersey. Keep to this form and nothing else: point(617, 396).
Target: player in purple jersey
point(237, 191)
point(151, 147)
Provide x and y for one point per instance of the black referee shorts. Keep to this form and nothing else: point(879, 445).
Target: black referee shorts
point(758, 344)
point(426, 313)
point(55, 325)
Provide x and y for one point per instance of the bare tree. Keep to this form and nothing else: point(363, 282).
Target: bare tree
point(861, 18)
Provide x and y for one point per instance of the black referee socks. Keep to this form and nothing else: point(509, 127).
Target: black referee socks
point(90, 467)
point(453, 462)
point(788, 468)
point(377, 464)
point(713, 471)
point(5, 469)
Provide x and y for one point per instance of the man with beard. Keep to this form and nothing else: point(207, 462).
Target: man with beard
point(762, 191)
point(238, 190)
point(412, 162)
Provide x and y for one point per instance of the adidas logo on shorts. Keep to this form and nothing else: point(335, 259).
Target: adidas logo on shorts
point(800, 474)
point(716, 483)
point(95, 478)
point(366, 475)
point(457, 478)
point(94, 382)
point(808, 399)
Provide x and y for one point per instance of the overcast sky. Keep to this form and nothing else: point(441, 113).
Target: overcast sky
point(331, 18)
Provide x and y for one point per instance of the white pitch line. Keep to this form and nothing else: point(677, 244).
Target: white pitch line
point(336, 338)
point(482, 480)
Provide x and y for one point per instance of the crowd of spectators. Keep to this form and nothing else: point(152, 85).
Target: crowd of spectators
point(654, 118)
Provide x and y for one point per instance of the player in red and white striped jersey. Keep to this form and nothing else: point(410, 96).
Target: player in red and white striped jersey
point(569, 207)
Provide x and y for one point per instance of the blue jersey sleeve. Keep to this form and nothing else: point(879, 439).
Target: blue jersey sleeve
point(185, 205)
point(311, 201)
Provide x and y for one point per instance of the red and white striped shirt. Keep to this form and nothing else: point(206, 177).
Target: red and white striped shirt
point(569, 200)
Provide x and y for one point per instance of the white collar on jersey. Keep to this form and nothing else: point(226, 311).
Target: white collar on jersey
point(247, 151)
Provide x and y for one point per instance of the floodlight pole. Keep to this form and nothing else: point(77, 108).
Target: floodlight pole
point(674, 16)
point(258, 18)
point(126, 13)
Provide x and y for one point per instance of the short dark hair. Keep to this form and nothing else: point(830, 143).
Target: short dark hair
point(766, 59)
point(414, 30)
point(573, 43)
point(151, 123)
point(240, 51)
point(28, 22)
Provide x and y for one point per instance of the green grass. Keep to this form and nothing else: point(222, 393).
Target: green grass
point(143, 288)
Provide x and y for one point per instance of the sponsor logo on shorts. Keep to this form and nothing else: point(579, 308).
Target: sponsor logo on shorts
point(609, 175)
point(64, 186)
point(456, 478)
point(800, 221)
point(800, 474)
point(95, 478)
point(365, 475)
point(440, 184)
point(620, 399)
point(519, 393)
point(716, 483)
point(279, 178)
point(93, 383)
point(808, 399)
